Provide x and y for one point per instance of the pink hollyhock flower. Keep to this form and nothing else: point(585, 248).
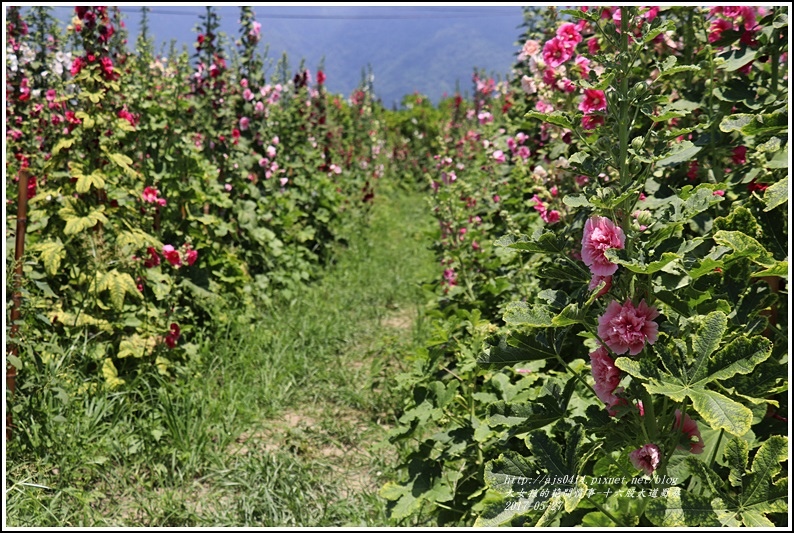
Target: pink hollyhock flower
point(523, 152)
point(499, 156)
point(594, 100)
point(717, 27)
point(600, 234)
point(283, 181)
point(191, 256)
point(263, 162)
point(248, 95)
point(485, 117)
point(606, 376)
point(592, 45)
point(543, 107)
point(51, 94)
point(625, 328)
point(568, 33)
point(172, 256)
point(739, 156)
point(597, 280)
point(244, 122)
point(591, 122)
point(173, 335)
point(646, 458)
point(719, 192)
point(151, 195)
point(557, 51)
point(154, 259)
point(271, 151)
point(256, 29)
point(77, 66)
point(528, 85)
point(691, 431)
point(530, 48)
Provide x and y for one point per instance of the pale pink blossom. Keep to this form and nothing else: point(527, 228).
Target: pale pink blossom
point(646, 458)
point(600, 234)
point(528, 85)
point(625, 328)
point(530, 48)
point(606, 376)
point(499, 156)
point(244, 122)
point(691, 431)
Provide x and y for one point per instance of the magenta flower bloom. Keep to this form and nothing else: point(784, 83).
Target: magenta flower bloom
point(569, 33)
point(594, 100)
point(244, 122)
point(600, 234)
point(499, 156)
point(557, 51)
point(691, 431)
point(625, 328)
point(172, 256)
point(646, 458)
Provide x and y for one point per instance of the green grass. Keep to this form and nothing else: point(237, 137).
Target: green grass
point(277, 423)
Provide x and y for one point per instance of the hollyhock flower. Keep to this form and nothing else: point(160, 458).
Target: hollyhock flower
point(77, 66)
point(521, 137)
point(129, 117)
point(543, 107)
point(739, 156)
point(107, 67)
point(625, 328)
point(569, 33)
point(450, 276)
point(150, 195)
point(528, 85)
point(153, 260)
point(485, 117)
point(646, 458)
point(592, 45)
point(690, 431)
point(550, 77)
point(601, 234)
point(248, 95)
point(594, 100)
point(256, 29)
point(283, 181)
point(530, 48)
point(717, 27)
point(606, 376)
point(173, 335)
point(244, 122)
point(523, 152)
point(263, 162)
point(598, 279)
point(499, 156)
point(259, 108)
point(557, 51)
point(172, 256)
point(271, 152)
point(320, 77)
point(191, 256)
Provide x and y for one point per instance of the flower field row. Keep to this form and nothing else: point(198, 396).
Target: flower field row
point(162, 189)
point(611, 302)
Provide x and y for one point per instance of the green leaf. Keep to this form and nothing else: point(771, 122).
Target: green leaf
point(62, 144)
point(76, 224)
point(85, 182)
point(736, 59)
point(641, 268)
point(744, 246)
point(547, 242)
point(739, 357)
point(735, 122)
point(736, 454)
point(51, 253)
point(518, 348)
point(576, 200)
point(679, 153)
point(118, 284)
point(776, 194)
point(528, 416)
point(520, 314)
point(556, 118)
point(678, 69)
point(720, 412)
point(680, 509)
point(706, 340)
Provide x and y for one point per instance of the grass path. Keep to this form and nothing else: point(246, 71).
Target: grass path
point(279, 424)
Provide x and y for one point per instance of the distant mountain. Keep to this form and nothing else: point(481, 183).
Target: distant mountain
point(410, 48)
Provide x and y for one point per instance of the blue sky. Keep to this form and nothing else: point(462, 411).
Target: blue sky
point(421, 48)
